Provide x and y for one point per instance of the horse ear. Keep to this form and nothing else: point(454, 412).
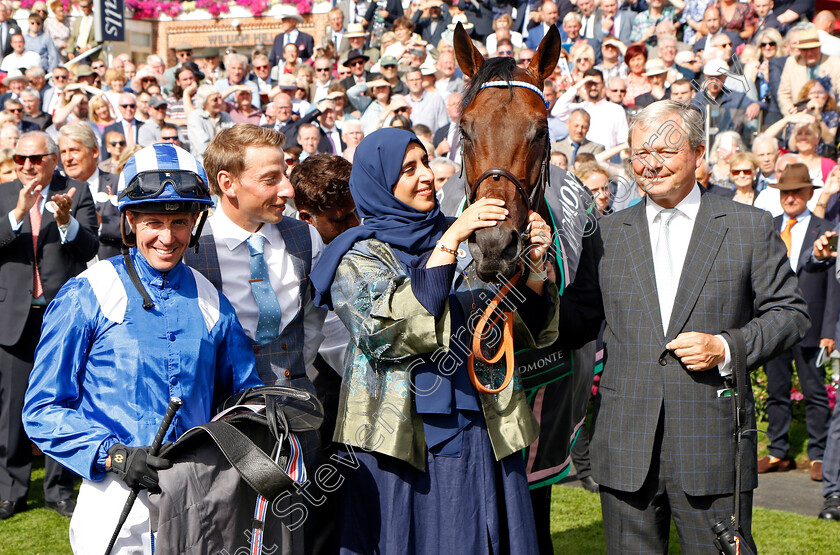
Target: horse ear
point(469, 59)
point(545, 60)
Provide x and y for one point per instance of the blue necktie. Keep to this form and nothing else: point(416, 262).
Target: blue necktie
point(268, 323)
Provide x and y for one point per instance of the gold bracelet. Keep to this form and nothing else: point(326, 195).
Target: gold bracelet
point(444, 248)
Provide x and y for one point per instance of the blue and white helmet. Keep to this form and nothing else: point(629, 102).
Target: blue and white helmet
point(163, 178)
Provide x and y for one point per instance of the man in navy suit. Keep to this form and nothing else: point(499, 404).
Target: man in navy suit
point(290, 34)
point(677, 271)
point(14, 107)
point(799, 229)
point(548, 17)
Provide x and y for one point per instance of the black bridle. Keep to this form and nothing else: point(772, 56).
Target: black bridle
point(535, 197)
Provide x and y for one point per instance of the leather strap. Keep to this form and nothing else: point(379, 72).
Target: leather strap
point(738, 352)
point(255, 467)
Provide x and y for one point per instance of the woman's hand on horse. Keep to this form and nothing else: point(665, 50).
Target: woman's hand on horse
point(539, 238)
point(485, 212)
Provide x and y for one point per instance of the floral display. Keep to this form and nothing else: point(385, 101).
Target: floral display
point(153, 9)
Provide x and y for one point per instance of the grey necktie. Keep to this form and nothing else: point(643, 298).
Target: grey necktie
point(667, 275)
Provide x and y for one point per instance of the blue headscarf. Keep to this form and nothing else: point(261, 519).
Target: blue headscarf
point(376, 169)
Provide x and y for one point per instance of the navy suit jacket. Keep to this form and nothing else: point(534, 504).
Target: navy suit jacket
point(118, 127)
point(817, 283)
point(304, 42)
point(737, 275)
point(57, 262)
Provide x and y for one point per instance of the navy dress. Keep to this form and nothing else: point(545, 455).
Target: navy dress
point(466, 501)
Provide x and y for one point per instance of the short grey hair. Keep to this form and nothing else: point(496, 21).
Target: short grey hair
point(441, 161)
point(52, 148)
point(794, 159)
point(667, 38)
point(203, 93)
point(80, 132)
point(764, 138)
point(29, 93)
point(655, 114)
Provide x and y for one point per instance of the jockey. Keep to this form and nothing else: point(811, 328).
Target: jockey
point(122, 338)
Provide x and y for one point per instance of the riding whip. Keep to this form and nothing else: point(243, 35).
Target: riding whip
point(174, 404)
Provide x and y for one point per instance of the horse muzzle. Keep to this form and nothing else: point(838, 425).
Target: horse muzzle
point(496, 251)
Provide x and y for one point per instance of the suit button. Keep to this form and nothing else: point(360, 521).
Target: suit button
point(663, 361)
point(256, 350)
point(288, 373)
point(285, 348)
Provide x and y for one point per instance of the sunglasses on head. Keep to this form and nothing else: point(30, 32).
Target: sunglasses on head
point(34, 159)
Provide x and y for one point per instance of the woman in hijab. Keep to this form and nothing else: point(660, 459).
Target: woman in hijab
point(440, 467)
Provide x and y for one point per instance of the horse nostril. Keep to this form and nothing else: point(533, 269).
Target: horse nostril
point(511, 250)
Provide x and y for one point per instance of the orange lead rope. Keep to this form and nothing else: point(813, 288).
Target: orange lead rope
point(505, 349)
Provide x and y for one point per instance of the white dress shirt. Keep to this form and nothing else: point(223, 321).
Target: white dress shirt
point(770, 199)
point(607, 121)
point(797, 235)
point(680, 230)
point(587, 25)
point(234, 265)
point(66, 233)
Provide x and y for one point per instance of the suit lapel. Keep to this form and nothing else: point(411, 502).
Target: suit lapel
point(637, 239)
point(706, 238)
point(808, 240)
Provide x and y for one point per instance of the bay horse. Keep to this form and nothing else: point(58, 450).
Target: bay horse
point(505, 145)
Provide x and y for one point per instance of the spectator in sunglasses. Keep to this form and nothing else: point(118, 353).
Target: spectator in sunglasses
point(743, 170)
point(114, 146)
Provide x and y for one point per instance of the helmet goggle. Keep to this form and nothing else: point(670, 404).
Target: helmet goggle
point(148, 185)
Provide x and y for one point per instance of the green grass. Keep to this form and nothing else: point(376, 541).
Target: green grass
point(576, 527)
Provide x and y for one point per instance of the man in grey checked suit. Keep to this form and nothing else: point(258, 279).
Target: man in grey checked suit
point(663, 443)
point(247, 171)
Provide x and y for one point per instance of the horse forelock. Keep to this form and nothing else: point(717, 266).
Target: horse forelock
point(494, 69)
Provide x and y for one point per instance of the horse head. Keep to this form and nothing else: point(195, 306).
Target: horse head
point(505, 141)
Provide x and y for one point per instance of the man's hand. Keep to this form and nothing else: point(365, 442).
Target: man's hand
point(27, 198)
point(63, 203)
point(442, 148)
point(606, 23)
point(828, 343)
point(698, 351)
point(752, 111)
point(821, 249)
point(136, 467)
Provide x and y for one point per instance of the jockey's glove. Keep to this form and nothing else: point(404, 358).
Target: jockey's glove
point(136, 467)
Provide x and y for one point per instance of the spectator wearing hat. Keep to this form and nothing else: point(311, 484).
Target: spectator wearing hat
point(16, 82)
point(209, 61)
point(289, 19)
point(183, 53)
point(800, 68)
point(373, 100)
point(20, 58)
point(8, 28)
point(149, 132)
point(389, 68)
point(36, 40)
point(357, 60)
point(800, 229)
point(356, 39)
point(657, 74)
point(430, 20)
